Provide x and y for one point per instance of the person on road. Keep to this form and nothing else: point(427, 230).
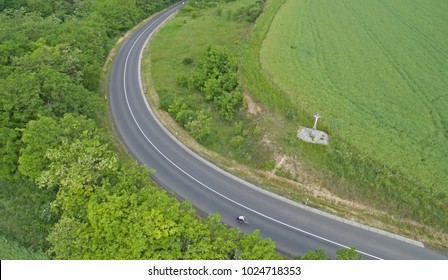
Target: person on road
point(241, 219)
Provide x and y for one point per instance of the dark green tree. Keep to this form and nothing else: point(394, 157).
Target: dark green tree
point(90, 39)
point(45, 7)
point(38, 137)
point(20, 99)
point(8, 152)
point(11, 4)
point(119, 15)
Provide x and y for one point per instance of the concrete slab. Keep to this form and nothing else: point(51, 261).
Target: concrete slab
point(312, 135)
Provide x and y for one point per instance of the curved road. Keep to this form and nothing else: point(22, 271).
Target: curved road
point(294, 228)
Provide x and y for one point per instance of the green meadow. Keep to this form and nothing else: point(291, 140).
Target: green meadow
point(376, 72)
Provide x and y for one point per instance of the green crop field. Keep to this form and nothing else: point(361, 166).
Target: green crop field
point(377, 72)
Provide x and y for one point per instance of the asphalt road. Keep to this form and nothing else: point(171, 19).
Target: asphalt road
point(294, 228)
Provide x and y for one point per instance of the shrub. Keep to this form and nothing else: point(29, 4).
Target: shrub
point(250, 13)
point(268, 165)
point(187, 61)
point(197, 123)
point(216, 77)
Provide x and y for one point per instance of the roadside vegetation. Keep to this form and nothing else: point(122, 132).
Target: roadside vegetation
point(385, 165)
point(203, 89)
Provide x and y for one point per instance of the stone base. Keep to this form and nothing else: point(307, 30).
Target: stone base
point(312, 135)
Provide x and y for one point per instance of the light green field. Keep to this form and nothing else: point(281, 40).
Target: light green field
point(377, 72)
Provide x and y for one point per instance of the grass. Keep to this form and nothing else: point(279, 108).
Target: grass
point(385, 93)
point(376, 72)
point(291, 80)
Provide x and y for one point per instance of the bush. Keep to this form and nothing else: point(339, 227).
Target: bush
point(216, 77)
point(200, 126)
point(197, 123)
point(250, 13)
point(182, 81)
point(268, 165)
point(187, 61)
